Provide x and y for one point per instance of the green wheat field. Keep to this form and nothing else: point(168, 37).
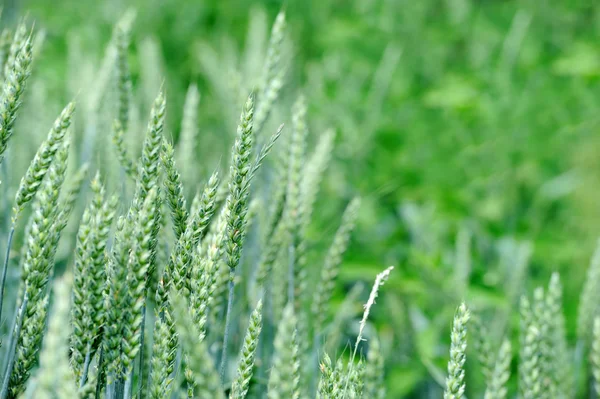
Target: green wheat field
point(359, 199)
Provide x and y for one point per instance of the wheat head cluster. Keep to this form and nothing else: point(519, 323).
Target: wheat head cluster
point(178, 284)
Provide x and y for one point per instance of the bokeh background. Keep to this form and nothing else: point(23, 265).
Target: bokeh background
point(469, 128)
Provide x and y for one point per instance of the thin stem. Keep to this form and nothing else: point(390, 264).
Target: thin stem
point(291, 261)
point(141, 368)
point(227, 322)
point(178, 356)
point(5, 267)
point(119, 388)
point(128, 385)
point(110, 389)
point(86, 367)
point(101, 374)
point(13, 348)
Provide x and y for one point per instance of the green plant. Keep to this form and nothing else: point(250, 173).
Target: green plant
point(186, 269)
point(118, 284)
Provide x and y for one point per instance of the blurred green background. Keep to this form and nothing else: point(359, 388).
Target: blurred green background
point(470, 128)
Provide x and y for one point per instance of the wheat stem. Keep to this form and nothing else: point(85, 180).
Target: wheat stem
point(231, 287)
point(5, 267)
point(13, 348)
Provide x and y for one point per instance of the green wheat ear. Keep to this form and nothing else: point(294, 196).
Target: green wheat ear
point(595, 355)
point(285, 373)
point(87, 313)
point(41, 162)
point(188, 139)
point(174, 190)
point(42, 241)
point(561, 366)
point(15, 46)
point(374, 371)
point(590, 298)
point(331, 265)
point(12, 89)
point(274, 72)
point(54, 377)
point(530, 384)
point(118, 135)
point(5, 41)
point(330, 383)
point(482, 346)
point(246, 362)
point(123, 76)
point(455, 382)
point(139, 263)
point(500, 374)
point(162, 352)
point(201, 364)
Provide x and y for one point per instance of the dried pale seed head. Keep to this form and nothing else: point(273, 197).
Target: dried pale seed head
point(379, 281)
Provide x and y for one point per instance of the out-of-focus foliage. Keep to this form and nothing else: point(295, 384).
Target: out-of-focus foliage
point(469, 128)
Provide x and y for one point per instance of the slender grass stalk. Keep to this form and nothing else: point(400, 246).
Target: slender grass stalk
point(13, 348)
